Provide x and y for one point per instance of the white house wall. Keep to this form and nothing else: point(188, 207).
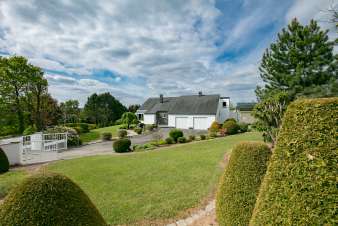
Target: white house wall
point(149, 119)
point(223, 112)
point(190, 120)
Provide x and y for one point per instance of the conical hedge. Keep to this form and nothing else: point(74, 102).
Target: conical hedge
point(49, 199)
point(240, 183)
point(4, 163)
point(300, 186)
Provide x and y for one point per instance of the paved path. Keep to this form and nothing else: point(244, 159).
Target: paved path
point(104, 148)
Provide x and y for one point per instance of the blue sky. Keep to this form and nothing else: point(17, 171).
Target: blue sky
point(137, 49)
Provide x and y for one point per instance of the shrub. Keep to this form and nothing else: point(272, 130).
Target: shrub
point(29, 130)
point(91, 126)
point(73, 138)
point(4, 163)
point(138, 130)
point(123, 126)
point(202, 137)
point(181, 140)
point(231, 127)
point(240, 183)
point(243, 127)
point(162, 142)
point(122, 133)
point(49, 199)
point(231, 120)
point(106, 136)
point(212, 134)
point(215, 126)
point(191, 137)
point(150, 127)
point(122, 145)
point(169, 140)
point(84, 127)
point(175, 134)
point(300, 186)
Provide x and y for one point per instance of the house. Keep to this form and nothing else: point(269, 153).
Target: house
point(243, 111)
point(185, 112)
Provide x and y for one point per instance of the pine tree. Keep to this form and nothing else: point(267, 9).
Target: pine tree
point(301, 62)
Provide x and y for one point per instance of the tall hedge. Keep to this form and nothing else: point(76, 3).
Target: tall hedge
point(49, 199)
point(240, 183)
point(300, 186)
point(4, 163)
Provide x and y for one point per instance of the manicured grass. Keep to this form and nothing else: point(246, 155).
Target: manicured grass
point(151, 185)
point(9, 180)
point(95, 134)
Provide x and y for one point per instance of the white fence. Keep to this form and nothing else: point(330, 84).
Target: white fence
point(35, 148)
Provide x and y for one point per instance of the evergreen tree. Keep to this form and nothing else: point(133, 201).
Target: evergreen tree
point(301, 62)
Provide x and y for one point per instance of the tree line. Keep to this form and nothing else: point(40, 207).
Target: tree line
point(26, 103)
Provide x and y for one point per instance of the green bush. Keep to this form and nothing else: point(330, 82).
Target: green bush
point(73, 137)
point(29, 130)
point(240, 183)
point(192, 137)
point(231, 120)
point(4, 163)
point(300, 186)
point(169, 140)
point(81, 127)
point(92, 126)
point(150, 127)
point(181, 140)
point(138, 130)
point(203, 137)
point(175, 134)
point(122, 133)
point(123, 126)
point(49, 199)
point(106, 136)
point(122, 145)
point(162, 142)
point(243, 127)
point(212, 134)
point(231, 127)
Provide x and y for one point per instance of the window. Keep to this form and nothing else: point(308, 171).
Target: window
point(224, 104)
point(140, 117)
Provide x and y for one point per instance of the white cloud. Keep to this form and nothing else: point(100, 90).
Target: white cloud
point(156, 46)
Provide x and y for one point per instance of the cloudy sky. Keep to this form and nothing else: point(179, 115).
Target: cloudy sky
point(137, 49)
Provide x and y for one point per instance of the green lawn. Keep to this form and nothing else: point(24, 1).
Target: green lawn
point(95, 134)
point(150, 185)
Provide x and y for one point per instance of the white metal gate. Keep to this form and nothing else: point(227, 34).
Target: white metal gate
point(41, 147)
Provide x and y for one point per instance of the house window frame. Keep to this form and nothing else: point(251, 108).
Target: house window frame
point(224, 104)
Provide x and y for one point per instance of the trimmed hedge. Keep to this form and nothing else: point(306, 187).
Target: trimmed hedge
point(122, 145)
point(203, 137)
point(182, 140)
point(122, 133)
point(175, 134)
point(300, 186)
point(231, 127)
point(240, 183)
point(49, 199)
point(169, 140)
point(4, 163)
point(106, 136)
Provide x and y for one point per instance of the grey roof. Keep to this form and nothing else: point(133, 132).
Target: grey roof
point(189, 105)
point(245, 106)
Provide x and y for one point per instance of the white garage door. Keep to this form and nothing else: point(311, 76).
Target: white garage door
point(182, 122)
point(201, 123)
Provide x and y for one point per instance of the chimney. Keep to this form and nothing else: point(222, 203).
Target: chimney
point(200, 93)
point(161, 98)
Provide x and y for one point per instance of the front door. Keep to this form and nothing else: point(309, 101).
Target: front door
point(162, 118)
